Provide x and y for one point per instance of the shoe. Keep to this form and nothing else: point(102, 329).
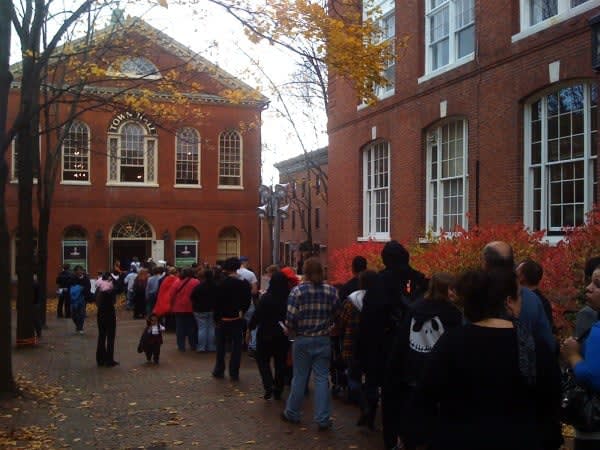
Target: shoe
point(268, 395)
point(220, 376)
point(251, 353)
point(112, 364)
point(325, 426)
point(277, 395)
point(80, 331)
point(287, 419)
point(155, 363)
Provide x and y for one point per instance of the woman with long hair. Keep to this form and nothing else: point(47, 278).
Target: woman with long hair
point(139, 294)
point(271, 342)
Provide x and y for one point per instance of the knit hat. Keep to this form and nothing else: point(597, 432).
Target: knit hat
point(291, 276)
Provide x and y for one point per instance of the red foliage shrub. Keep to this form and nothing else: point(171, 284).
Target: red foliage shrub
point(456, 252)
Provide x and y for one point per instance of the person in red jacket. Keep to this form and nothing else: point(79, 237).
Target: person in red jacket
point(181, 306)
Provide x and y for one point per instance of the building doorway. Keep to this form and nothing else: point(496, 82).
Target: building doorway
point(131, 237)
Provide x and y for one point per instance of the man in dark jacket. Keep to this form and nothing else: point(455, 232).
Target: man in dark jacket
point(359, 264)
point(233, 299)
point(62, 282)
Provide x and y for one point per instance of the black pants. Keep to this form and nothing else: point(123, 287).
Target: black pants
point(224, 331)
point(152, 352)
point(276, 348)
point(107, 328)
point(63, 302)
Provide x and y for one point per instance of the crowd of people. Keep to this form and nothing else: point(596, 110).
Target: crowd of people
point(465, 361)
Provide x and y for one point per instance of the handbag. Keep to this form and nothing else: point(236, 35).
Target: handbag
point(580, 406)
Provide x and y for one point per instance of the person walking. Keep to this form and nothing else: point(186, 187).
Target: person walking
point(203, 303)
point(310, 313)
point(79, 293)
point(233, 300)
point(106, 298)
point(271, 342)
point(63, 280)
point(181, 306)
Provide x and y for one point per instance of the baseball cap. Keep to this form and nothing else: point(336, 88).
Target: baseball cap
point(243, 258)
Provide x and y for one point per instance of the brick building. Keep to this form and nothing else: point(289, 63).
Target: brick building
point(490, 116)
point(306, 178)
point(130, 184)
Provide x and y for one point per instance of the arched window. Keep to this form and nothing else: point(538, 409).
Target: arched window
point(228, 244)
point(376, 190)
point(132, 156)
point(230, 159)
point(560, 157)
point(76, 154)
point(134, 67)
point(447, 176)
point(132, 228)
point(186, 246)
point(74, 246)
point(187, 157)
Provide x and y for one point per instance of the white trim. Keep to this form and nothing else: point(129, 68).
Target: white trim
point(230, 188)
point(566, 14)
point(374, 239)
point(76, 183)
point(198, 150)
point(130, 184)
point(447, 68)
point(368, 207)
point(187, 186)
point(89, 157)
point(241, 160)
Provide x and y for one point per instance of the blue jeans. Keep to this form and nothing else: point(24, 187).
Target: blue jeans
point(78, 315)
point(206, 332)
point(248, 317)
point(185, 326)
point(310, 353)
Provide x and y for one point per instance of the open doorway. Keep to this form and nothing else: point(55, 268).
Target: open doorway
point(131, 237)
point(125, 251)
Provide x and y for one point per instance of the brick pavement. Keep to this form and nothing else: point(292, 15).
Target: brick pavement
point(174, 405)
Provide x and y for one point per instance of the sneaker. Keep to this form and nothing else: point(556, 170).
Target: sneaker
point(285, 418)
point(80, 331)
point(220, 376)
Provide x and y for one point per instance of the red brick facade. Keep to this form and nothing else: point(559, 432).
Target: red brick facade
point(200, 212)
point(489, 93)
point(302, 184)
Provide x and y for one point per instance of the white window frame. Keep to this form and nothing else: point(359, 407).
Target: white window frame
point(369, 208)
point(439, 182)
point(239, 186)
point(150, 140)
point(453, 60)
point(588, 159)
point(198, 185)
point(564, 12)
point(89, 158)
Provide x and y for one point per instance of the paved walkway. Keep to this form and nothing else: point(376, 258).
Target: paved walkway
point(174, 405)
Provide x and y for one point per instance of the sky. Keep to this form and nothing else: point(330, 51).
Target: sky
point(208, 30)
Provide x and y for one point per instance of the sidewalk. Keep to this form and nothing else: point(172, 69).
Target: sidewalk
point(177, 404)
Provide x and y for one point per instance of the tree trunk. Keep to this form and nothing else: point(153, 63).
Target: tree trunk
point(27, 146)
point(42, 265)
point(7, 383)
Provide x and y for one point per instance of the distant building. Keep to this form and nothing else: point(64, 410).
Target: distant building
point(306, 176)
point(490, 116)
point(133, 185)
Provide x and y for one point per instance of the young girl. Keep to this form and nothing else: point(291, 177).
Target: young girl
point(152, 339)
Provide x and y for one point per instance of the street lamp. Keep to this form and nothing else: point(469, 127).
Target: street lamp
point(270, 199)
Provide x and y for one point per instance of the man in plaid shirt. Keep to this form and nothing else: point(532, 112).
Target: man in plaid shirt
point(311, 309)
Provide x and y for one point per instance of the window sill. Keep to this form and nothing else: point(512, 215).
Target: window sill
point(140, 185)
point(230, 188)
point(187, 186)
point(379, 238)
point(551, 21)
point(381, 98)
point(76, 183)
point(35, 181)
point(446, 68)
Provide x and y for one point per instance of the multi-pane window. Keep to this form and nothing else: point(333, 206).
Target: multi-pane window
point(376, 190)
point(230, 159)
point(447, 176)
point(187, 158)
point(76, 153)
point(561, 141)
point(132, 155)
point(387, 24)
point(536, 11)
point(450, 27)
point(228, 244)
